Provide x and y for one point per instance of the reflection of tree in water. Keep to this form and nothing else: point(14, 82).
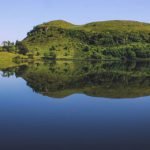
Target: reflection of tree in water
point(101, 79)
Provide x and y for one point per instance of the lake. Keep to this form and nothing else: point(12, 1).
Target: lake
point(68, 105)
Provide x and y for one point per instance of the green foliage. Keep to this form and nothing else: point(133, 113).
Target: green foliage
point(52, 55)
point(38, 54)
point(96, 55)
point(8, 47)
point(98, 40)
point(30, 55)
point(22, 48)
point(86, 49)
point(52, 48)
point(129, 51)
point(46, 55)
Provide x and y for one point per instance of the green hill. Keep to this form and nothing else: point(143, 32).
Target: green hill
point(97, 40)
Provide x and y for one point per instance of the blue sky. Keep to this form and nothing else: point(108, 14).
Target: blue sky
point(19, 16)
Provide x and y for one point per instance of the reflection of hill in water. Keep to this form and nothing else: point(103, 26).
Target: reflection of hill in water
point(63, 78)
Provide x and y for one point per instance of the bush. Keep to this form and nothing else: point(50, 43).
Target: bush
point(22, 49)
point(52, 55)
point(46, 55)
point(86, 49)
point(130, 54)
point(30, 56)
point(52, 48)
point(38, 54)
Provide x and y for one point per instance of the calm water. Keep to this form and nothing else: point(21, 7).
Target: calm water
point(68, 105)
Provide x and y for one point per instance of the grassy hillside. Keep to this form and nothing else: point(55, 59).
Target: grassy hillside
point(9, 59)
point(97, 40)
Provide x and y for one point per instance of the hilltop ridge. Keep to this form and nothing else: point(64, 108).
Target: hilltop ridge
point(57, 23)
point(100, 25)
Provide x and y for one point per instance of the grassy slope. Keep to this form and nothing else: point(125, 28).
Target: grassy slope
point(68, 39)
point(6, 60)
point(100, 26)
point(117, 25)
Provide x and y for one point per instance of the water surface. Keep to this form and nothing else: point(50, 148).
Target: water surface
point(74, 105)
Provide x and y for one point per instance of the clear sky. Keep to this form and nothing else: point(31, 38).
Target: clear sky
point(19, 16)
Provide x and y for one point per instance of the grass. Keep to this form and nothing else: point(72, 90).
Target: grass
point(6, 60)
point(100, 26)
point(116, 25)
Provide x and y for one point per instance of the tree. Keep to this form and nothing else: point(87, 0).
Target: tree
point(21, 48)
point(8, 46)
